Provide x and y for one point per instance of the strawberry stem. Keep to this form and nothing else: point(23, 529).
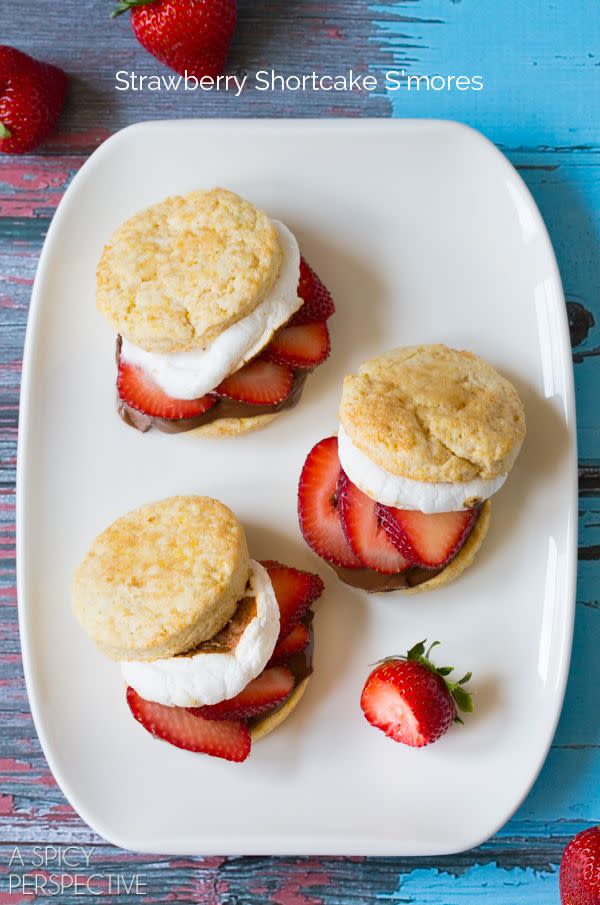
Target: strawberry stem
point(4, 131)
point(462, 697)
point(124, 6)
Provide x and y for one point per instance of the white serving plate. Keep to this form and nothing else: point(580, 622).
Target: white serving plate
point(424, 233)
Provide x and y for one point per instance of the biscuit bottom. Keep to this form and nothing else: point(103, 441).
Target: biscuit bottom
point(417, 579)
point(268, 723)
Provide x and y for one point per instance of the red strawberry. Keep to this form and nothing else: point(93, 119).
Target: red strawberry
point(300, 347)
point(318, 305)
point(580, 869)
point(427, 540)
point(139, 391)
point(260, 382)
point(359, 515)
point(295, 590)
point(229, 739)
point(293, 643)
point(263, 693)
point(32, 95)
point(318, 505)
point(189, 36)
point(411, 700)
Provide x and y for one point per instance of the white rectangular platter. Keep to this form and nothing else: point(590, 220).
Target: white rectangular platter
point(424, 233)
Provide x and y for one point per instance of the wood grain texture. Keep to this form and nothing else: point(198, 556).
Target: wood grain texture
point(541, 106)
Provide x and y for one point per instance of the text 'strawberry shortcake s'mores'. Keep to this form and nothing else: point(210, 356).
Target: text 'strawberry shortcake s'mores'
point(215, 648)
point(219, 318)
point(400, 499)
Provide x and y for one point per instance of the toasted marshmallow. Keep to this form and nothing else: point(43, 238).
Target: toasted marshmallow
point(189, 375)
point(207, 677)
point(406, 493)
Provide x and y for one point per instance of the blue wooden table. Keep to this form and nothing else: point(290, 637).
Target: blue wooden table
point(539, 61)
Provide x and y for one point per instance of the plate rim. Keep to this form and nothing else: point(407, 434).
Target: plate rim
point(341, 124)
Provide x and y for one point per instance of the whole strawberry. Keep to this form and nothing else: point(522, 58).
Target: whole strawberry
point(189, 36)
point(580, 869)
point(31, 97)
point(411, 700)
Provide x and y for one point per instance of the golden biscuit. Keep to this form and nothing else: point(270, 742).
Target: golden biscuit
point(233, 427)
point(176, 275)
point(273, 720)
point(162, 579)
point(431, 413)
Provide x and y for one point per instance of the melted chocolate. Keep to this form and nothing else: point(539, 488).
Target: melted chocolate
point(223, 408)
point(376, 582)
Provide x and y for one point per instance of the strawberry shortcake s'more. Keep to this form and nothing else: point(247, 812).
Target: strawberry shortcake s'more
point(400, 499)
point(219, 318)
point(215, 648)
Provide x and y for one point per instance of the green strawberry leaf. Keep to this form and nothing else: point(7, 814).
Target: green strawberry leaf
point(463, 699)
point(123, 6)
point(416, 652)
point(4, 131)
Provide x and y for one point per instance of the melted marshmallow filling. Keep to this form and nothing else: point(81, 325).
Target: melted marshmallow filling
point(406, 493)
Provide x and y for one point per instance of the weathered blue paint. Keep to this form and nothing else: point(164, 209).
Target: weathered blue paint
point(539, 62)
point(517, 886)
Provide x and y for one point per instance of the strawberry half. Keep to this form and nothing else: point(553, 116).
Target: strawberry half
point(295, 591)
point(260, 382)
point(411, 700)
point(427, 540)
point(139, 391)
point(360, 519)
point(318, 304)
point(229, 739)
point(293, 643)
point(318, 505)
point(270, 688)
point(305, 346)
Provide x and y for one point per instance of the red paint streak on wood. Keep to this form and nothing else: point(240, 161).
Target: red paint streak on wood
point(6, 804)
point(34, 176)
point(13, 898)
point(307, 875)
point(10, 765)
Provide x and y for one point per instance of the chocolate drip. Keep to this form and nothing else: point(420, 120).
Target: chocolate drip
point(375, 582)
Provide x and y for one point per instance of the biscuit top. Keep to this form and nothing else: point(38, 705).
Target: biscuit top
point(162, 579)
point(431, 413)
point(177, 274)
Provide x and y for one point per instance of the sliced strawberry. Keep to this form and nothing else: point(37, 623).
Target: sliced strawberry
point(293, 643)
point(300, 347)
point(412, 700)
point(359, 515)
point(318, 505)
point(260, 382)
point(229, 739)
point(138, 390)
point(428, 540)
point(295, 590)
point(263, 693)
point(318, 304)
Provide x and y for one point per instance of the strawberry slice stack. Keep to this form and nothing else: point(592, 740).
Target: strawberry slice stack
point(351, 531)
point(224, 729)
point(268, 380)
